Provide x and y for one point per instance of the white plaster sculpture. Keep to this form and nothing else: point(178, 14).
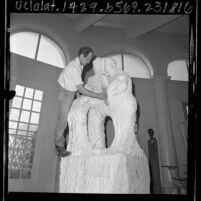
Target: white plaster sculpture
point(93, 168)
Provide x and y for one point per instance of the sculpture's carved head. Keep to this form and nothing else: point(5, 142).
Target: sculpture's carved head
point(106, 68)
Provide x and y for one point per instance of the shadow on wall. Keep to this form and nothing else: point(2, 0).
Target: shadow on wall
point(138, 108)
point(87, 72)
point(66, 136)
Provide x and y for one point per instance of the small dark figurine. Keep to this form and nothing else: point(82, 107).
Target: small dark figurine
point(151, 134)
point(154, 163)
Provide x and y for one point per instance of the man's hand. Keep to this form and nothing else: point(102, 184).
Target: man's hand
point(102, 96)
point(86, 92)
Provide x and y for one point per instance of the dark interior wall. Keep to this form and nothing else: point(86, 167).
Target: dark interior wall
point(144, 93)
point(177, 94)
point(23, 67)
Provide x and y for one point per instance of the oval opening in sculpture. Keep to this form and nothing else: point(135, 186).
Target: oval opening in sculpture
point(109, 131)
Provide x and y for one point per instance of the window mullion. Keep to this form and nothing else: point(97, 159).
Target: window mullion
point(29, 123)
point(17, 137)
point(37, 48)
point(187, 65)
point(19, 154)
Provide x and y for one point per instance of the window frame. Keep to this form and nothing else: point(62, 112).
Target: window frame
point(187, 69)
point(26, 138)
point(122, 54)
point(56, 46)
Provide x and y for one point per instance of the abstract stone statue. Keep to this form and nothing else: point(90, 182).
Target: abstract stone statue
point(93, 168)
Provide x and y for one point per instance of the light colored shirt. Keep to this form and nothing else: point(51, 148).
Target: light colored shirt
point(71, 76)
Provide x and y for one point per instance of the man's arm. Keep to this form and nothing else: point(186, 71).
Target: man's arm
point(89, 93)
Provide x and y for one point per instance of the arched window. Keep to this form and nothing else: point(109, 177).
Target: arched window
point(133, 65)
point(178, 70)
point(37, 46)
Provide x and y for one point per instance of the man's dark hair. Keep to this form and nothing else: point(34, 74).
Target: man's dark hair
point(85, 51)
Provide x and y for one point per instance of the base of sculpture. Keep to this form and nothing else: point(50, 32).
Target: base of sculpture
point(108, 173)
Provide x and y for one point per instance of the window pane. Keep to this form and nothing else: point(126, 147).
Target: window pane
point(23, 126)
point(19, 145)
point(135, 67)
point(178, 70)
point(36, 106)
point(12, 131)
point(21, 132)
point(14, 173)
point(118, 59)
point(26, 173)
point(28, 145)
point(11, 141)
point(50, 53)
point(18, 154)
point(38, 95)
point(12, 124)
point(17, 102)
point(34, 118)
point(27, 104)
point(29, 93)
point(31, 134)
point(25, 116)
point(19, 90)
point(24, 43)
point(14, 114)
point(33, 127)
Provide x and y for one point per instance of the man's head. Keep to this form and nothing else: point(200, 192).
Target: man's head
point(150, 132)
point(85, 55)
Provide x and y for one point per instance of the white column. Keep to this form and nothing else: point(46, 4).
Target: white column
point(166, 145)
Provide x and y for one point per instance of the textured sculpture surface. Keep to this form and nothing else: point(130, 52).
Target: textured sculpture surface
point(93, 168)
